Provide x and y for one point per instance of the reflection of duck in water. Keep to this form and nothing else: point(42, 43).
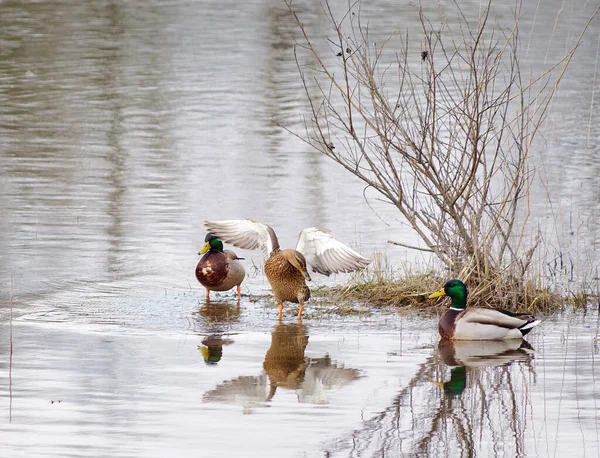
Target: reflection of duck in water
point(484, 353)
point(247, 391)
point(284, 362)
point(212, 348)
point(211, 317)
point(322, 377)
point(216, 313)
point(286, 367)
point(457, 382)
point(478, 354)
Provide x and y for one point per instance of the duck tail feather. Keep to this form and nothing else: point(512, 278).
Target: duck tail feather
point(529, 326)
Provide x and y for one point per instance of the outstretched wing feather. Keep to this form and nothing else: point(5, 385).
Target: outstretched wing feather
point(326, 254)
point(242, 233)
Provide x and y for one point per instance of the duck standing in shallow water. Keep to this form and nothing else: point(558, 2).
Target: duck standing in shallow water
point(476, 323)
point(218, 269)
point(286, 270)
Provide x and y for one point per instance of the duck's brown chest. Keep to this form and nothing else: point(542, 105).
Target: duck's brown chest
point(286, 281)
point(212, 269)
point(447, 323)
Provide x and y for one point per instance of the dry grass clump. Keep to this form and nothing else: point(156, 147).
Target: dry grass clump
point(515, 295)
point(406, 292)
point(381, 285)
point(413, 292)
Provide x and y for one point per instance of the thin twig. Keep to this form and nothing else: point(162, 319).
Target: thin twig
point(410, 246)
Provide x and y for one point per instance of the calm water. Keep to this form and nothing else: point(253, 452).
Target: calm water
point(123, 126)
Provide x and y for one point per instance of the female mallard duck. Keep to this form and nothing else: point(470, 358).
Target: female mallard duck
point(479, 323)
point(286, 270)
point(218, 269)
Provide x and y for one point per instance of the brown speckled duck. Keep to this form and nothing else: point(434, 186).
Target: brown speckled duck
point(218, 269)
point(475, 323)
point(286, 270)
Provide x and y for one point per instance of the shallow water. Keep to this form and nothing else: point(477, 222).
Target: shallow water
point(123, 126)
point(236, 382)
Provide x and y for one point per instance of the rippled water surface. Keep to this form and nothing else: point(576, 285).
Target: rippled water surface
point(124, 125)
point(237, 383)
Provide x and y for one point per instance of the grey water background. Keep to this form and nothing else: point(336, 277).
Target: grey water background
point(124, 125)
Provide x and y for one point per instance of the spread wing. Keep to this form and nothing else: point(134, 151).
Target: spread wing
point(244, 233)
point(327, 255)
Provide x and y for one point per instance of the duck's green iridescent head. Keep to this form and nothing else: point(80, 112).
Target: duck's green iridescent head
point(457, 291)
point(212, 355)
point(457, 383)
point(211, 243)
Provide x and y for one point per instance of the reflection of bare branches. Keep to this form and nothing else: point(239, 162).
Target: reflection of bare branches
point(479, 411)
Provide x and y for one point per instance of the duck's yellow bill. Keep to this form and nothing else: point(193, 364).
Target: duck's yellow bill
point(205, 248)
point(439, 293)
point(205, 352)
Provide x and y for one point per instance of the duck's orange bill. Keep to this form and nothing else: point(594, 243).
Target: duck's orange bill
point(439, 293)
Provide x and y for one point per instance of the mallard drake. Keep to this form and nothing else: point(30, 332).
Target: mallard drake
point(218, 269)
point(477, 323)
point(286, 270)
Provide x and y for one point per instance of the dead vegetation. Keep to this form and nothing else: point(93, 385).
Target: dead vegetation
point(412, 291)
point(442, 126)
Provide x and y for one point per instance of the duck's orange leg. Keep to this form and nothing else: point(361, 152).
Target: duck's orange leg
point(207, 294)
point(280, 310)
point(239, 292)
point(300, 310)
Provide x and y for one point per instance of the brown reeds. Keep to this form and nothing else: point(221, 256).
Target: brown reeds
point(410, 290)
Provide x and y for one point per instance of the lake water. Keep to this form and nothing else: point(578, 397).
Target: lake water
point(123, 126)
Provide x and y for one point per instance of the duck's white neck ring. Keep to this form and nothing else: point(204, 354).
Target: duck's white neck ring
point(456, 308)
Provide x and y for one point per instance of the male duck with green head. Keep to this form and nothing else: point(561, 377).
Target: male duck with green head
point(218, 269)
point(476, 323)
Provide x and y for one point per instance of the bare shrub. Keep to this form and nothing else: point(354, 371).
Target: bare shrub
point(443, 130)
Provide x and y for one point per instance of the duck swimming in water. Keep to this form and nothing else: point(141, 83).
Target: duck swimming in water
point(476, 323)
